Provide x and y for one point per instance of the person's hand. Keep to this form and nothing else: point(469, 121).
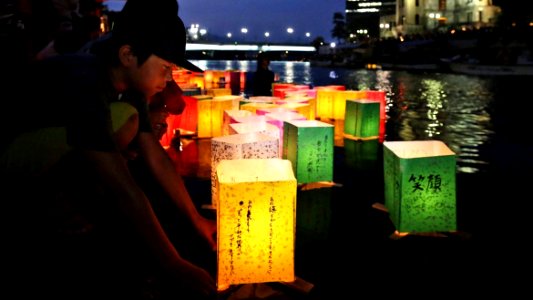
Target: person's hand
point(207, 230)
point(192, 281)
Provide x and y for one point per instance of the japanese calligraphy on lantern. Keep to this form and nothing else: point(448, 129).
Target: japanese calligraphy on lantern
point(420, 185)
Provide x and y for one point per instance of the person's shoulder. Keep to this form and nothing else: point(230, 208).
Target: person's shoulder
point(69, 65)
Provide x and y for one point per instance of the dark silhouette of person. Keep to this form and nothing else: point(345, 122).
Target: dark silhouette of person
point(263, 76)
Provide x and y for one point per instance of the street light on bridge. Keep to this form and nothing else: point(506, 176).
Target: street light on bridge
point(244, 30)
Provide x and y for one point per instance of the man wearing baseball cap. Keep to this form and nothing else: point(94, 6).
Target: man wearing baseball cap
point(83, 227)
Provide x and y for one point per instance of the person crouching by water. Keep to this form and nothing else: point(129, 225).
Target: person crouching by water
point(80, 226)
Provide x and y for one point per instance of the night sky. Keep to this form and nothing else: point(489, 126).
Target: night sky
point(259, 16)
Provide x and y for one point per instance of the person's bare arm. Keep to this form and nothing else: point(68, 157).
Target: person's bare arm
point(166, 174)
point(132, 202)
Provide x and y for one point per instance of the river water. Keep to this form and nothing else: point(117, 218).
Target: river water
point(486, 121)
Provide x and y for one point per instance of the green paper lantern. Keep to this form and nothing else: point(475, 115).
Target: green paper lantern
point(308, 144)
point(361, 121)
point(361, 155)
point(420, 185)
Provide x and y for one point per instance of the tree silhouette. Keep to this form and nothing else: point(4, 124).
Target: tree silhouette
point(339, 27)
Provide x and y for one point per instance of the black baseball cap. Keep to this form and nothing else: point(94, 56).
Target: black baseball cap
point(169, 42)
point(161, 34)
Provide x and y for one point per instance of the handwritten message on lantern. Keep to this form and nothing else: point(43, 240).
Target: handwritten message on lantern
point(420, 185)
point(256, 221)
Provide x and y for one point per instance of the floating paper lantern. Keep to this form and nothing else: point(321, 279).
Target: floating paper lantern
point(245, 145)
point(229, 118)
point(256, 221)
point(302, 108)
point(264, 111)
point(253, 107)
point(259, 99)
point(324, 103)
point(262, 127)
point(218, 92)
point(362, 119)
point(420, 185)
point(308, 144)
point(339, 102)
point(211, 115)
point(279, 118)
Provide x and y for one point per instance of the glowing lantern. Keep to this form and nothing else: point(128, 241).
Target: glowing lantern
point(253, 107)
point(211, 115)
point(308, 144)
point(302, 108)
point(420, 185)
point(324, 103)
point(339, 102)
point(259, 99)
point(245, 145)
point(256, 221)
point(229, 117)
point(218, 92)
point(312, 105)
point(264, 111)
point(279, 118)
point(362, 119)
point(262, 127)
point(379, 96)
point(198, 80)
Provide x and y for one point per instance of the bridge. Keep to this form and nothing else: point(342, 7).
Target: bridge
point(248, 51)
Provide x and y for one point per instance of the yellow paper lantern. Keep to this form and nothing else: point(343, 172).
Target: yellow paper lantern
point(245, 145)
point(218, 92)
point(256, 220)
point(211, 116)
point(339, 103)
point(324, 103)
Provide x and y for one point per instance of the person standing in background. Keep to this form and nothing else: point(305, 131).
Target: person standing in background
point(263, 76)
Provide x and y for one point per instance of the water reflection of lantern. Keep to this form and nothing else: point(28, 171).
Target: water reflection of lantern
point(308, 144)
point(256, 221)
point(313, 213)
point(362, 119)
point(420, 185)
point(246, 145)
point(361, 155)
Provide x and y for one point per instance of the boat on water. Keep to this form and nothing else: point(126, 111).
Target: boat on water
point(491, 70)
